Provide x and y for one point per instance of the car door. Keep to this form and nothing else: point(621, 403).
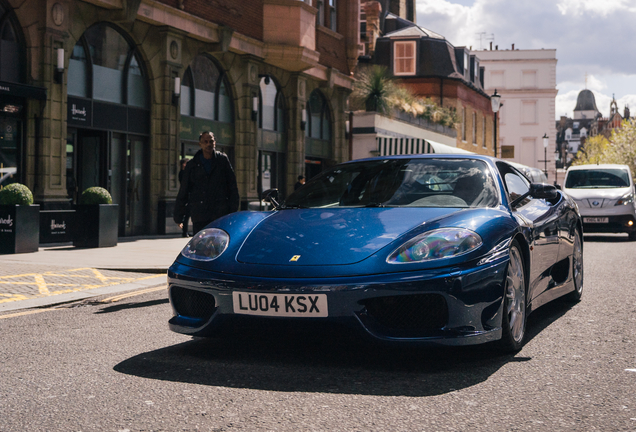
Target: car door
point(542, 218)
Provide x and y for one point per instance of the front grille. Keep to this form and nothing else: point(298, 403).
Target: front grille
point(409, 312)
point(191, 303)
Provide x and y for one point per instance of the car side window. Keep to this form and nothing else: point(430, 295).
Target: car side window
point(517, 186)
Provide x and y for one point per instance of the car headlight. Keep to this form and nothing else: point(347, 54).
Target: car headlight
point(436, 244)
point(629, 198)
point(206, 245)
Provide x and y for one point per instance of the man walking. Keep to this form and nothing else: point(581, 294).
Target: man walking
point(208, 186)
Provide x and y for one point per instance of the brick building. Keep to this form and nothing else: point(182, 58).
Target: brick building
point(432, 67)
point(114, 93)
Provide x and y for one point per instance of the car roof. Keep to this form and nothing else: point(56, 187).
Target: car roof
point(598, 166)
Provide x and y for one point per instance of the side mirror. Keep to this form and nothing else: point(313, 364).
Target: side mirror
point(543, 191)
point(558, 186)
point(271, 196)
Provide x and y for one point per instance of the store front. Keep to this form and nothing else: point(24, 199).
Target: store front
point(108, 120)
point(318, 145)
point(272, 139)
point(206, 105)
point(14, 97)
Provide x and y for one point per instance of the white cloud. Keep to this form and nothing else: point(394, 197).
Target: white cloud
point(600, 7)
point(591, 37)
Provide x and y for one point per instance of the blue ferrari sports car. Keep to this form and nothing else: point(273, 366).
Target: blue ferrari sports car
point(441, 249)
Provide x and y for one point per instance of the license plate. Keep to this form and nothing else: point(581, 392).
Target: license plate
point(595, 219)
point(278, 305)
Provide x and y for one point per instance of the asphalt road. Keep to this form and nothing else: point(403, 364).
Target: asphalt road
point(115, 366)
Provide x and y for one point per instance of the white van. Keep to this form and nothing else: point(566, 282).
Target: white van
point(605, 196)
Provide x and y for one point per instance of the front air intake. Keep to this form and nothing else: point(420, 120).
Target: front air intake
point(192, 304)
point(409, 312)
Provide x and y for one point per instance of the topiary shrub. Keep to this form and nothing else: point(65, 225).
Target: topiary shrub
point(16, 193)
point(95, 195)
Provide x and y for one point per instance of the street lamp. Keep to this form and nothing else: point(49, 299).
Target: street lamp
point(495, 100)
point(557, 158)
point(546, 141)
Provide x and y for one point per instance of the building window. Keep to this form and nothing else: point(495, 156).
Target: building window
point(10, 51)
point(528, 112)
point(496, 80)
point(105, 67)
point(333, 24)
point(529, 79)
point(205, 92)
point(474, 128)
point(483, 131)
point(272, 108)
point(320, 16)
point(464, 124)
point(404, 58)
point(466, 66)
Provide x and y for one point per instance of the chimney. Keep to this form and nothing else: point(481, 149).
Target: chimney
point(490, 45)
point(496, 47)
point(372, 10)
point(513, 47)
point(626, 113)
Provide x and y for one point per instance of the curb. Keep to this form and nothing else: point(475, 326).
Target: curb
point(81, 295)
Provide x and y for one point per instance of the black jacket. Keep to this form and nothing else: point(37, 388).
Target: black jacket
point(208, 196)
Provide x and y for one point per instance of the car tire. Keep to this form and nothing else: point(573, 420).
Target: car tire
point(577, 269)
point(515, 311)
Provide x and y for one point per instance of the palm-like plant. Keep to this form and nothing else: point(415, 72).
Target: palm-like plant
point(373, 90)
point(376, 90)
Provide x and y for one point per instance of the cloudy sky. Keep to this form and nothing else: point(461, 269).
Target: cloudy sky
point(593, 37)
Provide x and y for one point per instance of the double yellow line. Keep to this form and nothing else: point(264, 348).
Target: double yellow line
point(106, 300)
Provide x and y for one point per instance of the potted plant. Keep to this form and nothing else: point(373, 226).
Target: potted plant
point(96, 219)
point(19, 220)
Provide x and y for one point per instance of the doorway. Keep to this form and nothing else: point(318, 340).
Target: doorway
point(118, 163)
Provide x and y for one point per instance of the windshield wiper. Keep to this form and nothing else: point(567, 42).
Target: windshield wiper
point(293, 206)
point(375, 204)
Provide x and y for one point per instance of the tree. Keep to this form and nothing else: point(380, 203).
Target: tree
point(619, 149)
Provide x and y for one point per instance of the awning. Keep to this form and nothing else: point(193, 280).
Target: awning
point(22, 90)
point(443, 148)
point(405, 146)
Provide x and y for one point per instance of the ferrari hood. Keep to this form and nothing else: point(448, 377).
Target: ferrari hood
point(330, 236)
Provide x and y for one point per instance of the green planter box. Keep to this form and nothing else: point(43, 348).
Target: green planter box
point(96, 225)
point(19, 228)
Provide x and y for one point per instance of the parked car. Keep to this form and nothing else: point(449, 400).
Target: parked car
point(535, 175)
point(605, 196)
point(443, 249)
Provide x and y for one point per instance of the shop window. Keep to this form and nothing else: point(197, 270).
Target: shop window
point(319, 125)
point(186, 94)
point(268, 104)
point(105, 66)
point(78, 72)
point(9, 51)
point(205, 92)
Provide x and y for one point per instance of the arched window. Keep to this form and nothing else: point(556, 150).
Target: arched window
point(272, 139)
point(10, 64)
point(272, 106)
point(318, 147)
point(104, 66)
point(205, 92)
point(319, 126)
point(206, 105)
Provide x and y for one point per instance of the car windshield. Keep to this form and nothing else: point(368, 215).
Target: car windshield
point(597, 178)
point(400, 183)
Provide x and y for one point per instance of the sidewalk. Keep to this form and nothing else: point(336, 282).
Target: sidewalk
point(62, 273)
